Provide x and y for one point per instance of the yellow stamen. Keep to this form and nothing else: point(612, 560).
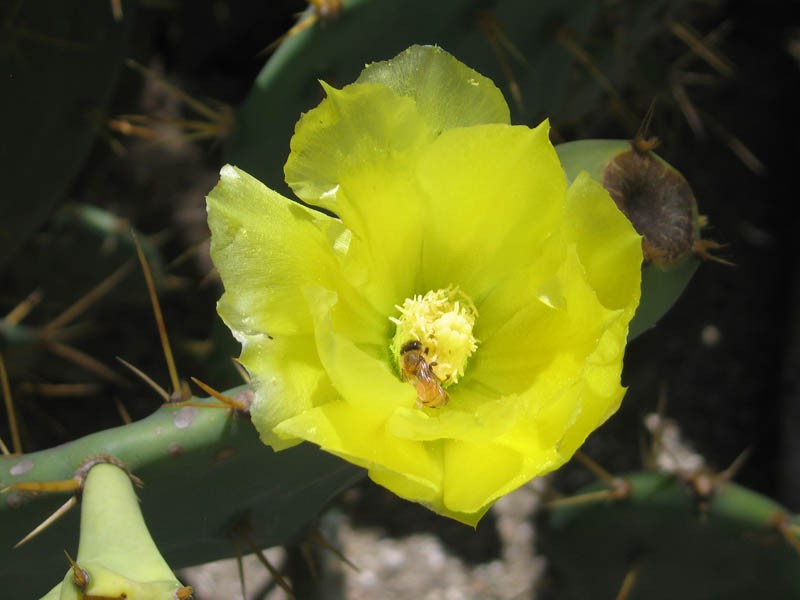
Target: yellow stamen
point(442, 321)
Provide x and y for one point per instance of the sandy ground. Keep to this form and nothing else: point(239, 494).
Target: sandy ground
point(418, 565)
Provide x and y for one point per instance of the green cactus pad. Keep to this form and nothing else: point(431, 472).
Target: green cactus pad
point(670, 545)
point(204, 471)
point(60, 65)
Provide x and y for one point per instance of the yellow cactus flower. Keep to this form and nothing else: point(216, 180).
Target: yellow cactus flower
point(459, 329)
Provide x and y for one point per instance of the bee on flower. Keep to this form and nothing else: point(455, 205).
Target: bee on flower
point(419, 371)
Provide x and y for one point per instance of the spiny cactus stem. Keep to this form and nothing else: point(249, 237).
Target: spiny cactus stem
point(21, 310)
point(241, 402)
point(57, 514)
point(146, 378)
point(75, 485)
point(162, 330)
point(267, 565)
point(629, 581)
point(117, 558)
point(598, 496)
point(88, 299)
point(16, 442)
point(113, 531)
point(619, 487)
point(124, 443)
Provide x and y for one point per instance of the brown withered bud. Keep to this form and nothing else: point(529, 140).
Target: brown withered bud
point(659, 202)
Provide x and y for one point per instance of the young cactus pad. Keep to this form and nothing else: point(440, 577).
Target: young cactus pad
point(116, 557)
point(670, 546)
point(204, 472)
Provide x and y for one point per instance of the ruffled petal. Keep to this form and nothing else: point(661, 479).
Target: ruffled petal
point(266, 248)
point(493, 194)
point(601, 392)
point(608, 246)
point(355, 155)
point(544, 345)
point(360, 128)
point(447, 92)
point(361, 375)
point(359, 435)
point(288, 379)
point(477, 474)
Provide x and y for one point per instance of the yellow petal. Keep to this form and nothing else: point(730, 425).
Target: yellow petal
point(493, 194)
point(602, 392)
point(288, 380)
point(608, 246)
point(544, 345)
point(266, 248)
point(359, 435)
point(355, 154)
point(447, 92)
point(361, 375)
point(477, 474)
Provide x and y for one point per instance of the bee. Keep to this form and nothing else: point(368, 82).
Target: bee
point(416, 369)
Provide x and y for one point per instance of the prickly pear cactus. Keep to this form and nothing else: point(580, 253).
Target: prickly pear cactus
point(176, 452)
point(207, 477)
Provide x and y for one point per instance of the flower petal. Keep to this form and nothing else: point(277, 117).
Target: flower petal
point(359, 435)
point(493, 194)
point(476, 474)
point(447, 92)
point(544, 345)
point(355, 154)
point(607, 244)
point(361, 126)
point(288, 380)
point(602, 392)
point(470, 415)
point(360, 374)
point(265, 247)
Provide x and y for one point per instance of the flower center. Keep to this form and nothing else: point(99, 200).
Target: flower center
point(442, 322)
